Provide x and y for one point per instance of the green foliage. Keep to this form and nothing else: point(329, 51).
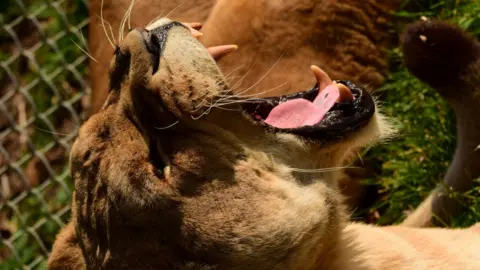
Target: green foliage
point(413, 164)
point(38, 214)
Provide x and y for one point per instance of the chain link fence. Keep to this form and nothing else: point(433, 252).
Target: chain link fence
point(43, 94)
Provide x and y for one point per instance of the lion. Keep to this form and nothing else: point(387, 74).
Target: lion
point(178, 172)
point(348, 39)
point(109, 14)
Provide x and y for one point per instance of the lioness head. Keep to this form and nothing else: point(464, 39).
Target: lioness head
point(177, 172)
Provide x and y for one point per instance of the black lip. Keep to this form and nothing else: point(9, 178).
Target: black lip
point(155, 41)
point(342, 119)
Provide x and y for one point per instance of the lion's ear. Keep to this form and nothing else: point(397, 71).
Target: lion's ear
point(66, 253)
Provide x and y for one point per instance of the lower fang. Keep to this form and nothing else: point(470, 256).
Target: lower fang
point(345, 93)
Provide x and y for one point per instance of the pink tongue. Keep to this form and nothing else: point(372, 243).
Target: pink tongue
point(301, 112)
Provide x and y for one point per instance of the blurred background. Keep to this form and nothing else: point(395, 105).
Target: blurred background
point(44, 95)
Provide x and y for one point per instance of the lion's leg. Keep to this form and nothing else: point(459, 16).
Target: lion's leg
point(448, 59)
point(422, 216)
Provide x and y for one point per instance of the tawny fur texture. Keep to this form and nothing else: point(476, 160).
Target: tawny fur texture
point(220, 192)
point(278, 41)
point(143, 12)
point(346, 38)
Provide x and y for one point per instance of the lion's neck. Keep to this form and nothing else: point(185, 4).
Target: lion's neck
point(360, 247)
point(368, 247)
point(351, 252)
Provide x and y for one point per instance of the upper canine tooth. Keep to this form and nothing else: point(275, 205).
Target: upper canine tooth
point(194, 27)
point(323, 79)
point(196, 34)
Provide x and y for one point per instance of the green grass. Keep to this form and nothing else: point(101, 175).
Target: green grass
point(414, 163)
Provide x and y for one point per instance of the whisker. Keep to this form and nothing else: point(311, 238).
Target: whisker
point(91, 57)
point(121, 28)
point(109, 26)
point(244, 76)
point(111, 32)
point(353, 212)
point(230, 79)
point(130, 14)
point(263, 77)
point(257, 94)
point(173, 10)
point(87, 51)
point(332, 169)
point(224, 101)
point(167, 127)
point(360, 157)
point(232, 71)
point(219, 105)
point(246, 98)
point(201, 115)
point(226, 109)
point(154, 19)
point(83, 39)
point(200, 105)
point(103, 24)
point(249, 100)
point(267, 91)
point(50, 132)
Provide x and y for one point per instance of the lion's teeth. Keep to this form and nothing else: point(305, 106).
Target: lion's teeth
point(217, 52)
point(196, 34)
point(323, 79)
point(194, 27)
point(345, 93)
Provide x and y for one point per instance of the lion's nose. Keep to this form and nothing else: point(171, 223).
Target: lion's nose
point(158, 23)
point(154, 38)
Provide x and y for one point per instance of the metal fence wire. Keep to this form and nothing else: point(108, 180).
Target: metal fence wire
point(43, 94)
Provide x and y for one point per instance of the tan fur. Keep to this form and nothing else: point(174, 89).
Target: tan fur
point(143, 12)
point(346, 38)
point(67, 253)
point(230, 196)
point(278, 41)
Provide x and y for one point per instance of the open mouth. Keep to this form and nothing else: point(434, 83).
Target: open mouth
point(332, 119)
point(329, 111)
